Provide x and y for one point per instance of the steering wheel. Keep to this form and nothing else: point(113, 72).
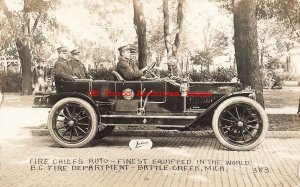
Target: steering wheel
point(149, 69)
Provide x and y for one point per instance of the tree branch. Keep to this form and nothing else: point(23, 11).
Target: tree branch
point(35, 23)
point(7, 13)
point(290, 19)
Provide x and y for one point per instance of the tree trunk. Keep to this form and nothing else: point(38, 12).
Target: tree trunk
point(208, 64)
point(22, 43)
point(262, 57)
point(173, 48)
point(246, 46)
point(179, 27)
point(288, 62)
point(166, 26)
point(140, 25)
point(25, 57)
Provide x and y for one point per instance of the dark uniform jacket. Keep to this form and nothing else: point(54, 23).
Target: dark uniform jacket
point(79, 70)
point(128, 69)
point(63, 70)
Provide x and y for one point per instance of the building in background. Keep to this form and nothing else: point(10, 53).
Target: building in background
point(9, 65)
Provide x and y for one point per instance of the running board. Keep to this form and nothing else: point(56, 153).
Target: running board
point(173, 121)
point(148, 117)
point(154, 125)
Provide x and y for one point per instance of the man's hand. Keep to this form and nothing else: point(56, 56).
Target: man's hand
point(144, 70)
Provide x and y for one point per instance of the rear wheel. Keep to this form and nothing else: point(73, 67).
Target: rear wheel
point(72, 122)
point(240, 123)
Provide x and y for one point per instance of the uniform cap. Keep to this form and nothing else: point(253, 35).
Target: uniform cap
point(134, 49)
point(125, 48)
point(62, 49)
point(75, 52)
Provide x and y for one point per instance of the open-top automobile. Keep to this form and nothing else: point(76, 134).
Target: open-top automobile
point(85, 109)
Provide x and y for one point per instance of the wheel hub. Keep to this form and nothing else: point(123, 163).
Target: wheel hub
point(240, 124)
point(71, 123)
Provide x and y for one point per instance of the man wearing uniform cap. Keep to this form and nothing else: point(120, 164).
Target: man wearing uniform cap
point(134, 53)
point(127, 68)
point(63, 68)
point(79, 69)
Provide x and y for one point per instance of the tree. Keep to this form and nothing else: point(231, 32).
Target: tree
point(140, 26)
point(214, 43)
point(172, 48)
point(24, 25)
point(246, 46)
point(114, 31)
point(286, 11)
point(202, 58)
point(286, 15)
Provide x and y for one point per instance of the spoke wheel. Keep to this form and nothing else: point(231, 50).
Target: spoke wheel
point(72, 122)
point(240, 123)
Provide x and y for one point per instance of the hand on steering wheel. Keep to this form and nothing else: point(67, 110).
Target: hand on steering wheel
point(149, 68)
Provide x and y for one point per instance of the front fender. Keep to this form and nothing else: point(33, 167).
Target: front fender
point(205, 118)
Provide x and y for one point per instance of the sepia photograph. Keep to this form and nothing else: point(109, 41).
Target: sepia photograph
point(149, 93)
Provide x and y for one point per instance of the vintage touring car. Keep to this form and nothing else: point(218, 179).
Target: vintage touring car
point(86, 109)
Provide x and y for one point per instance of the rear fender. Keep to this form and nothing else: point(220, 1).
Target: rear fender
point(52, 99)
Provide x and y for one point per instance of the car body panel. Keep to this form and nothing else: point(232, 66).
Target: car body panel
point(167, 104)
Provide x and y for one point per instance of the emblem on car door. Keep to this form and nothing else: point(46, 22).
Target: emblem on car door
point(128, 93)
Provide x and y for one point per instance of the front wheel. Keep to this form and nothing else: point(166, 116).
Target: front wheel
point(72, 122)
point(240, 123)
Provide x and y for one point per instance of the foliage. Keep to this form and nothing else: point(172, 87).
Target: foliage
point(286, 12)
point(36, 16)
point(223, 74)
point(24, 26)
point(217, 75)
point(278, 77)
point(201, 76)
point(161, 72)
point(289, 77)
point(113, 21)
point(99, 27)
point(11, 82)
point(102, 74)
point(270, 65)
point(202, 58)
point(99, 55)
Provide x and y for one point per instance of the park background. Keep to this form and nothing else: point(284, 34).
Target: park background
point(207, 50)
point(206, 47)
point(200, 33)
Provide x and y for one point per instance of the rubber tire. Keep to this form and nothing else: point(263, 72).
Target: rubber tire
point(256, 106)
point(104, 132)
point(90, 110)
